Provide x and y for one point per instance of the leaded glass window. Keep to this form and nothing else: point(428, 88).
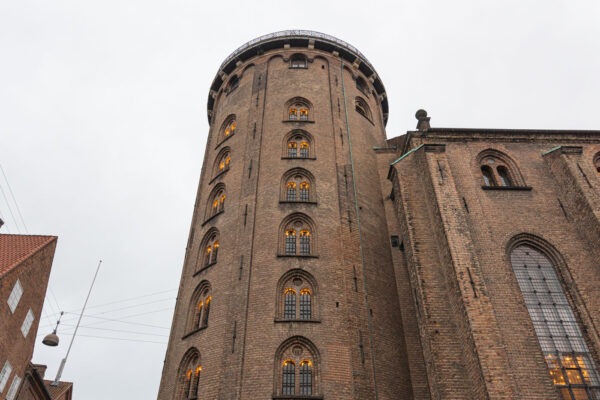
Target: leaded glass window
point(292, 149)
point(290, 241)
point(568, 358)
point(504, 177)
point(304, 150)
point(304, 194)
point(306, 377)
point(291, 191)
point(304, 242)
point(289, 311)
point(288, 381)
point(305, 312)
point(488, 176)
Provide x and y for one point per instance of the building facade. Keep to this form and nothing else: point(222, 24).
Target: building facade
point(326, 261)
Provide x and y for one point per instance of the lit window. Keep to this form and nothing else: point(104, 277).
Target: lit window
point(303, 150)
point(204, 323)
point(27, 323)
point(568, 358)
point(298, 112)
point(305, 309)
point(304, 242)
point(290, 241)
point(304, 194)
point(306, 377)
point(4, 375)
point(224, 161)
point(288, 381)
point(291, 191)
point(229, 128)
point(303, 114)
point(14, 387)
point(15, 296)
point(292, 149)
point(289, 311)
point(293, 114)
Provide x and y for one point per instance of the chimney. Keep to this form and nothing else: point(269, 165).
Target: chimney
point(423, 123)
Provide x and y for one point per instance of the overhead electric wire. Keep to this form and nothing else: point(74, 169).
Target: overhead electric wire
point(10, 209)
point(126, 316)
point(14, 199)
point(118, 330)
point(124, 300)
point(126, 322)
point(115, 338)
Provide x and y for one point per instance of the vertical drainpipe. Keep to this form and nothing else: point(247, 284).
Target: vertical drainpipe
point(362, 257)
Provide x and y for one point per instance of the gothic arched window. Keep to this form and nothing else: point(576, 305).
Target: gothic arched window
point(216, 201)
point(297, 236)
point(567, 355)
point(188, 379)
point(296, 296)
point(362, 86)
point(298, 186)
point(363, 108)
point(298, 144)
point(298, 109)
point(209, 249)
point(297, 373)
point(222, 161)
point(499, 170)
point(233, 83)
point(228, 128)
point(199, 308)
point(298, 61)
point(597, 163)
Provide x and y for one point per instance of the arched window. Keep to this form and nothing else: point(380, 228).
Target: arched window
point(216, 201)
point(499, 170)
point(298, 144)
point(567, 355)
point(233, 83)
point(296, 291)
point(209, 249)
point(298, 186)
point(363, 108)
point(188, 380)
point(362, 86)
point(228, 127)
point(297, 233)
point(199, 308)
point(222, 161)
point(298, 61)
point(297, 362)
point(298, 109)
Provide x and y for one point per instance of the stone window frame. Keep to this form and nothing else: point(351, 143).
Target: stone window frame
point(297, 350)
point(298, 176)
point(288, 281)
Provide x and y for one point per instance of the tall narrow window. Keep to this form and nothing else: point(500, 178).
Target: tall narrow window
point(291, 191)
point(210, 248)
point(195, 382)
point(289, 311)
point(26, 326)
point(230, 128)
point(288, 382)
point(206, 312)
point(304, 150)
point(304, 242)
point(488, 177)
point(292, 149)
point(305, 311)
point(4, 375)
point(504, 177)
point(304, 195)
point(188, 376)
point(290, 241)
point(303, 114)
point(597, 163)
point(293, 113)
point(14, 387)
point(298, 61)
point(362, 108)
point(306, 377)
point(15, 296)
point(568, 358)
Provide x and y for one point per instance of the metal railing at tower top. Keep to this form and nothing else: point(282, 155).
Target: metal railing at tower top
point(295, 34)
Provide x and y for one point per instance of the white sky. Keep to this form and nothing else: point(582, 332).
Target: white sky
point(103, 127)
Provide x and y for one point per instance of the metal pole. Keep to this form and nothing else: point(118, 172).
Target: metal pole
point(64, 360)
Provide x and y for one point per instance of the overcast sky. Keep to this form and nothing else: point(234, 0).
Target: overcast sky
point(103, 127)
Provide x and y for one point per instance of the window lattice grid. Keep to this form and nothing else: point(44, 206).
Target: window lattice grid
point(289, 309)
point(304, 150)
point(306, 378)
point(567, 355)
point(292, 149)
point(291, 193)
point(305, 306)
point(290, 243)
point(304, 193)
point(288, 379)
point(304, 244)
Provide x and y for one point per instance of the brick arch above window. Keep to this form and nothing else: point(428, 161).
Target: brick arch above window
point(297, 370)
point(298, 109)
point(497, 169)
point(222, 162)
point(298, 185)
point(303, 307)
point(216, 202)
point(188, 375)
point(209, 250)
point(297, 236)
point(228, 129)
point(298, 144)
point(199, 308)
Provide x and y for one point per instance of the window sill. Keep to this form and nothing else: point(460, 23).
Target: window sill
point(207, 266)
point(296, 202)
point(299, 67)
point(224, 140)
point(524, 188)
point(298, 158)
point(187, 335)
point(206, 221)
point(296, 397)
point(310, 321)
point(218, 175)
point(310, 121)
point(298, 255)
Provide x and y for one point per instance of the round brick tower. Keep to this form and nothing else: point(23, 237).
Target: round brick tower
point(287, 289)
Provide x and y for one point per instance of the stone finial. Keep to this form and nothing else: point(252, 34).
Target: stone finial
point(423, 119)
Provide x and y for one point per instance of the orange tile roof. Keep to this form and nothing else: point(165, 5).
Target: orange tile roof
point(16, 248)
point(57, 391)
